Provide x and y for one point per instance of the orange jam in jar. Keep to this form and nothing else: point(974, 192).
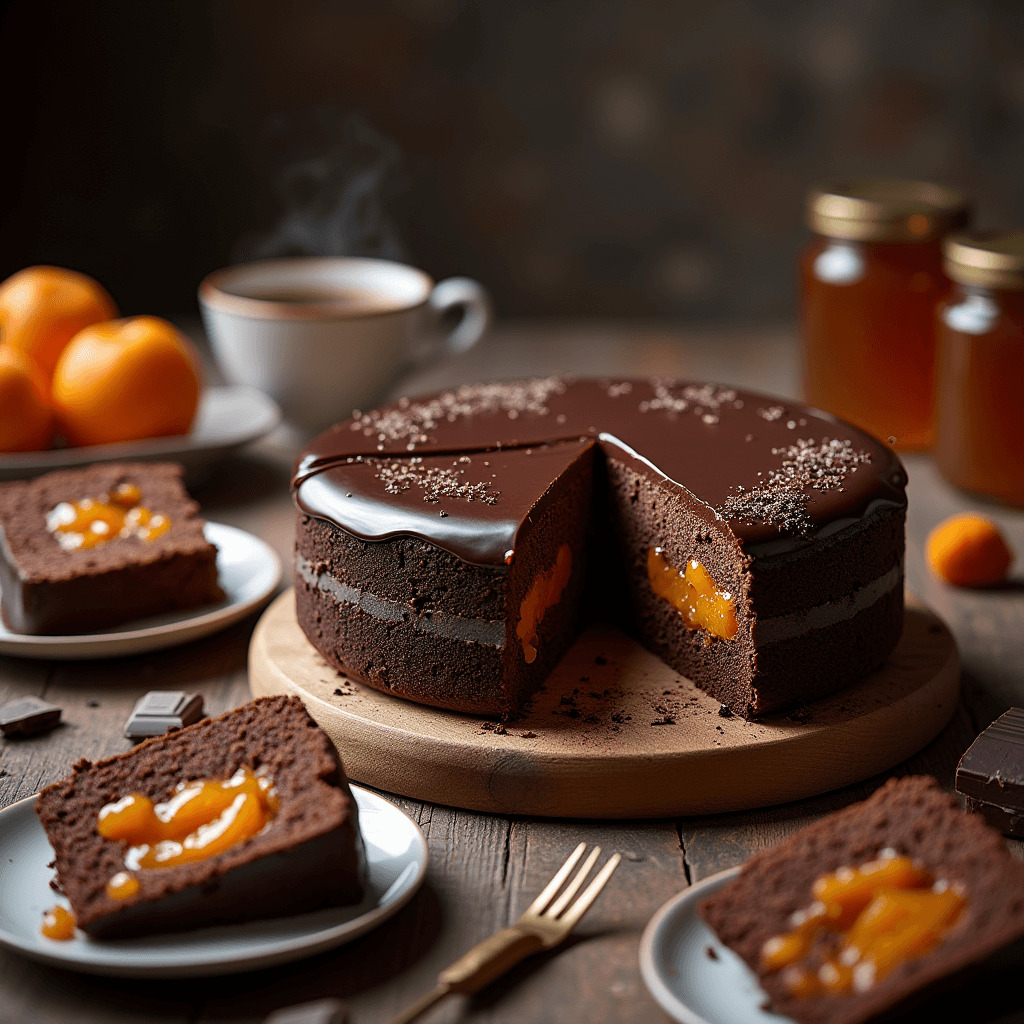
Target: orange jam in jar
point(90, 522)
point(979, 379)
point(693, 593)
point(200, 819)
point(863, 922)
point(870, 282)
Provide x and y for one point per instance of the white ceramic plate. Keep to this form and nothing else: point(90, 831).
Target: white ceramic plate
point(248, 571)
point(396, 861)
point(691, 985)
point(227, 418)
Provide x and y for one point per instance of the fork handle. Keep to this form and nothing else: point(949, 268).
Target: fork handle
point(489, 960)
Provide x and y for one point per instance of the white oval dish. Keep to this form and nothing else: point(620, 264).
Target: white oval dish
point(396, 862)
point(693, 977)
point(227, 418)
point(248, 570)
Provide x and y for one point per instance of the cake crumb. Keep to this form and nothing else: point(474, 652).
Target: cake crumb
point(710, 952)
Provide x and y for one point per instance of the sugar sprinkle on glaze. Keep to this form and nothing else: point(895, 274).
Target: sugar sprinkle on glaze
point(781, 500)
point(436, 482)
point(414, 422)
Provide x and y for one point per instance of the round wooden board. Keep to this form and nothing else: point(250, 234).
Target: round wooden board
point(615, 733)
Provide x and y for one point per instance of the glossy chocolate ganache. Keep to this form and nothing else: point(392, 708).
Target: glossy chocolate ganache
point(792, 520)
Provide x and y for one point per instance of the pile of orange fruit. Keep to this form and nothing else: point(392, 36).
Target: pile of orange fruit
point(70, 370)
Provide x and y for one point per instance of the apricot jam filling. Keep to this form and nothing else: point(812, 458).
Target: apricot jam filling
point(199, 820)
point(693, 594)
point(863, 922)
point(59, 924)
point(90, 522)
point(544, 593)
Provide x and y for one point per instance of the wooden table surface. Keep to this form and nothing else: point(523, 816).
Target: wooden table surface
point(484, 870)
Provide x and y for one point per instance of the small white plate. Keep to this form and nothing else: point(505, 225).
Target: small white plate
point(227, 418)
point(248, 571)
point(396, 861)
point(691, 984)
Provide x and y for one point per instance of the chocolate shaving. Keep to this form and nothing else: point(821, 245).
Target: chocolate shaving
point(414, 422)
point(782, 499)
point(436, 482)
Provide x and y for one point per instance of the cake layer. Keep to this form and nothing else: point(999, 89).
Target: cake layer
point(49, 588)
point(306, 857)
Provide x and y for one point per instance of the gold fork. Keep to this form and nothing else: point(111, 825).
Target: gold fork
point(546, 922)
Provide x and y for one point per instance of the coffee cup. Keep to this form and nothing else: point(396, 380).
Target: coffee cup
point(323, 336)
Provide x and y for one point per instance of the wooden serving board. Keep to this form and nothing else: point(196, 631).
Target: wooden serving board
point(616, 733)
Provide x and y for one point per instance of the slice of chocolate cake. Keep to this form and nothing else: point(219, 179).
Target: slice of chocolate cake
point(872, 906)
point(429, 622)
point(84, 549)
point(236, 818)
point(758, 543)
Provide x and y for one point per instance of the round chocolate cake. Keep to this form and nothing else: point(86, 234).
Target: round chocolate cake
point(447, 547)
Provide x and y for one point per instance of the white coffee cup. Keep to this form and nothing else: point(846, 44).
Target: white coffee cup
point(323, 336)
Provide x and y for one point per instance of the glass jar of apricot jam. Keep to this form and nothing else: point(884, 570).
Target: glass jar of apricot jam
point(979, 378)
point(870, 281)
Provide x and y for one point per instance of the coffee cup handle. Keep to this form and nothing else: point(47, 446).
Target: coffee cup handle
point(477, 315)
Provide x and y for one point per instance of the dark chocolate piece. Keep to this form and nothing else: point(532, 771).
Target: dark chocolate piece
point(323, 1011)
point(47, 590)
point(305, 858)
point(991, 773)
point(160, 710)
point(28, 716)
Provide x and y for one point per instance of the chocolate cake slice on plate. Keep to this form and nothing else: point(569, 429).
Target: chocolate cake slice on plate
point(872, 906)
point(85, 549)
point(274, 832)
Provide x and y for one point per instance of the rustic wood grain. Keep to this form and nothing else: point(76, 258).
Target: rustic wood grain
point(485, 868)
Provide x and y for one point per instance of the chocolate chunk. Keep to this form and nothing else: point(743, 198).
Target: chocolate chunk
point(161, 710)
point(28, 716)
point(323, 1011)
point(991, 774)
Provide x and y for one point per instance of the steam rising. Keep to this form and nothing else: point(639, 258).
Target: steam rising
point(338, 178)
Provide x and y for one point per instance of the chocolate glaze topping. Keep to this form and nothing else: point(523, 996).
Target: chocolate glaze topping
point(466, 469)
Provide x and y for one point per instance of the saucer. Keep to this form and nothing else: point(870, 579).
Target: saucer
point(227, 418)
point(396, 861)
point(248, 571)
point(693, 977)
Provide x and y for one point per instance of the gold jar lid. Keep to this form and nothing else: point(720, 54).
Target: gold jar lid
point(885, 210)
point(988, 259)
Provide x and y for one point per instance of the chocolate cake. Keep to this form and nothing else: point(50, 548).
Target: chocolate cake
point(958, 858)
point(304, 858)
point(84, 549)
point(755, 544)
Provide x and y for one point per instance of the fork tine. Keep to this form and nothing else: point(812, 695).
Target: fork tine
point(538, 905)
point(582, 905)
point(574, 886)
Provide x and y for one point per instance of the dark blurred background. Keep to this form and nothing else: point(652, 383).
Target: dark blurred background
point(609, 157)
